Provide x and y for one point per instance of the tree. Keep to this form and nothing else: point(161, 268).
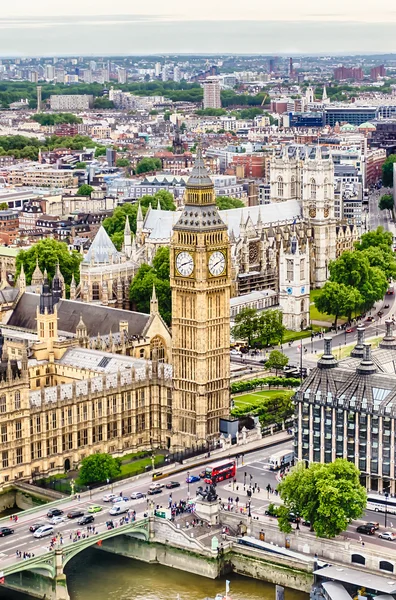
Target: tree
point(103, 102)
point(148, 164)
point(376, 238)
point(122, 162)
point(246, 326)
point(387, 171)
point(337, 299)
point(142, 285)
point(283, 519)
point(226, 202)
point(97, 468)
point(49, 119)
point(329, 496)
point(386, 202)
point(85, 190)
point(166, 200)
point(3, 206)
point(271, 328)
point(100, 151)
point(49, 252)
point(383, 259)
point(277, 360)
point(80, 165)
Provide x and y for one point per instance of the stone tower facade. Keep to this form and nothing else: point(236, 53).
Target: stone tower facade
point(302, 173)
point(294, 282)
point(200, 282)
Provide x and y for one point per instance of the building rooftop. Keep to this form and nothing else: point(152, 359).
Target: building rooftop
point(362, 579)
point(102, 249)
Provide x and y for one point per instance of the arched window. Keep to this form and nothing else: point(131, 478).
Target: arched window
point(280, 187)
point(293, 187)
point(3, 404)
point(158, 344)
point(95, 291)
point(358, 559)
point(302, 305)
point(313, 189)
point(17, 400)
point(384, 565)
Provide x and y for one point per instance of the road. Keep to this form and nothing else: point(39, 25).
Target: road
point(376, 217)
point(255, 466)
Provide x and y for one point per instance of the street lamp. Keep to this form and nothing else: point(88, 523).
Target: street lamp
point(386, 506)
point(188, 483)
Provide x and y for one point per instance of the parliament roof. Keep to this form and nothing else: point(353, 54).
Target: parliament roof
point(102, 249)
point(199, 175)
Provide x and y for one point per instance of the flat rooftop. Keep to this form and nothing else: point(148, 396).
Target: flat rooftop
point(385, 585)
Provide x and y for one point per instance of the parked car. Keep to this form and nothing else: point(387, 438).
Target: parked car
point(172, 484)
point(5, 531)
point(43, 531)
point(36, 526)
point(109, 497)
point(387, 535)
point(374, 524)
point(73, 514)
point(306, 523)
point(85, 520)
point(54, 512)
point(192, 479)
point(137, 495)
point(272, 511)
point(366, 529)
point(56, 520)
point(94, 508)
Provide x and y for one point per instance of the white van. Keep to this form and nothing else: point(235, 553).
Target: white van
point(43, 531)
point(120, 508)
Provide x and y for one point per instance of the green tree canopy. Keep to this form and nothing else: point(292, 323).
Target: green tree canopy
point(103, 102)
point(226, 202)
point(148, 164)
point(3, 206)
point(386, 202)
point(157, 275)
point(246, 326)
point(49, 119)
point(338, 299)
point(122, 162)
point(376, 238)
point(85, 190)
point(329, 496)
point(49, 252)
point(211, 112)
point(277, 360)
point(80, 165)
point(97, 468)
point(259, 328)
point(387, 171)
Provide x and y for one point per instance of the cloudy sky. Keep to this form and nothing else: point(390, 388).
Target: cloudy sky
point(196, 26)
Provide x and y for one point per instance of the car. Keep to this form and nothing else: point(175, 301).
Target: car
point(369, 319)
point(202, 474)
point(137, 495)
point(5, 531)
point(43, 531)
point(56, 520)
point(109, 497)
point(387, 535)
point(306, 523)
point(386, 305)
point(293, 518)
point(54, 512)
point(271, 511)
point(349, 330)
point(172, 484)
point(208, 480)
point(366, 529)
point(94, 508)
point(373, 524)
point(85, 520)
point(192, 479)
point(120, 499)
point(36, 526)
point(157, 486)
point(380, 313)
point(73, 514)
point(153, 491)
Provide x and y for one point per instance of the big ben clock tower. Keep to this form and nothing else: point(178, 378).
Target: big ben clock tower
point(200, 282)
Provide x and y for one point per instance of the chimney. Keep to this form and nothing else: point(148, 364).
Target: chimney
point(367, 366)
point(327, 361)
point(357, 352)
point(389, 341)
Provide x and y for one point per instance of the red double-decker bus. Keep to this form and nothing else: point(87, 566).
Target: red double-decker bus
point(219, 473)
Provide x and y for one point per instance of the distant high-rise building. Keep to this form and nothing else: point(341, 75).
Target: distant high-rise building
point(342, 72)
point(271, 66)
point(291, 68)
point(39, 89)
point(310, 95)
point(177, 75)
point(157, 69)
point(72, 102)
point(212, 97)
point(33, 76)
point(49, 73)
point(92, 65)
point(122, 75)
point(165, 73)
point(376, 72)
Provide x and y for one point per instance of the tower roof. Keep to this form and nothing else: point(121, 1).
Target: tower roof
point(102, 248)
point(199, 175)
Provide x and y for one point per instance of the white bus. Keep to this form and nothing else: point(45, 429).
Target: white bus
point(378, 503)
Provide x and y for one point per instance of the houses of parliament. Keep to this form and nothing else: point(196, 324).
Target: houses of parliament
point(78, 378)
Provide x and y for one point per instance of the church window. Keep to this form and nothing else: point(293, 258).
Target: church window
point(302, 269)
point(95, 291)
point(141, 352)
point(54, 420)
point(4, 436)
point(289, 269)
point(313, 189)
point(41, 335)
point(17, 400)
point(38, 425)
point(51, 330)
point(3, 404)
point(4, 459)
point(302, 306)
point(18, 430)
point(280, 187)
point(293, 187)
point(157, 343)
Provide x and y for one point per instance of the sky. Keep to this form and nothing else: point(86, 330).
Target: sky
point(196, 26)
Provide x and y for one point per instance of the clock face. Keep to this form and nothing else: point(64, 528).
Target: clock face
point(217, 263)
point(184, 264)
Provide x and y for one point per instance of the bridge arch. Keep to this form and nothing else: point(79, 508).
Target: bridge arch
point(72, 551)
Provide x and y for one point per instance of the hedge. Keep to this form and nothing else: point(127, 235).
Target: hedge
point(252, 384)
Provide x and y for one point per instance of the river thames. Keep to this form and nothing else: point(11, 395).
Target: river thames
point(97, 575)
